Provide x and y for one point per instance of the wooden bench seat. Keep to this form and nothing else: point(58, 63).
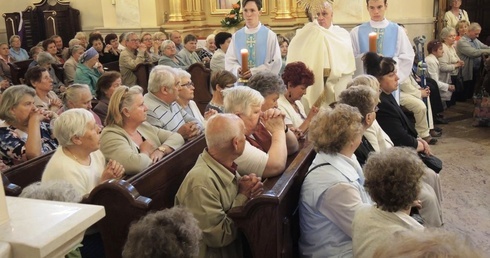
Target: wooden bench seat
point(270, 222)
point(18, 70)
point(201, 76)
point(27, 172)
point(153, 189)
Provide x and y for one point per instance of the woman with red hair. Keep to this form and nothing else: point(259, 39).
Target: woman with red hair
point(297, 78)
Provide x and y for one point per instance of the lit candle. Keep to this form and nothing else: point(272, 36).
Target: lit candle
point(373, 38)
point(244, 60)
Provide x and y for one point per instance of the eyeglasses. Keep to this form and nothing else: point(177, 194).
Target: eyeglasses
point(189, 84)
point(134, 40)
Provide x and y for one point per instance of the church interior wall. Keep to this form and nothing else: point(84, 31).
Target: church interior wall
point(201, 18)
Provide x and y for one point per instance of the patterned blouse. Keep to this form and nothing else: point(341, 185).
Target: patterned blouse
point(12, 143)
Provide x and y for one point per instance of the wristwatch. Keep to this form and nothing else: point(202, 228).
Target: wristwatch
point(162, 149)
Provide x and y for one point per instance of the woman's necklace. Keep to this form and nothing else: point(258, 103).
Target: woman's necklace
point(75, 157)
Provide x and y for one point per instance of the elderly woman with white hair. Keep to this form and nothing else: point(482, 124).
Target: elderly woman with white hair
point(79, 96)
point(25, 132)
point(89, 69)
point(78, 160)
point(209, 49)
point(265, 154)
point(128, 138)
point(169, 56)
point(186, 96)
point(450, 63)
point(16, 51)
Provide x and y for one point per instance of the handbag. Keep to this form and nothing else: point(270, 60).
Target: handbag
point(431, 162)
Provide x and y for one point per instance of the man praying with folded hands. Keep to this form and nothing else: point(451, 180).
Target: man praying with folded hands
point(213, 187)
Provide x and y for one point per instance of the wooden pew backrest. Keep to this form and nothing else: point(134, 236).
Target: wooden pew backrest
point(142, 72)
point(28, 172)
point(112, 66)
point(150, 190)
point(270, 222)
point(18, 70)
point(201, 76)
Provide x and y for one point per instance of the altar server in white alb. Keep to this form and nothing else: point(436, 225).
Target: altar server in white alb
point(392, 41)
point(264, 52)
point(327, 50)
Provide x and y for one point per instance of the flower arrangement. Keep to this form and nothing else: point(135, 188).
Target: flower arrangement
point(233, 18)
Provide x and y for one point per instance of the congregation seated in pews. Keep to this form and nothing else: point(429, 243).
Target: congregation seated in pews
point(246, 182)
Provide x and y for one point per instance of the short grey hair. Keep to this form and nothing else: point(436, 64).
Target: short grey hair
point(240, 99)
point(183, 73)
point(172, 233)
point(474, 26)
point(14, 37)
point(445, 32)
point(45, 58)
point(221, 129)
point(73, 42)
point(161, 76)
point(166, 43)
point(267, 83)
point(72, 122)
point(75, 48)
point(129, 34)
point(72, 93)
point(365, 79)
point(11, 97)
point(210, 37)
point(56, 190)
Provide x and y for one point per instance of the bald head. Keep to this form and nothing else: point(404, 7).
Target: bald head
point(222, 129)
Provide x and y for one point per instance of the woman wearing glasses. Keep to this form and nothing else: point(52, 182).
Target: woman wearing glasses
point(186, 96)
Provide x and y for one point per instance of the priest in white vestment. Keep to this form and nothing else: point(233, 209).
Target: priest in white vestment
point(327, 50)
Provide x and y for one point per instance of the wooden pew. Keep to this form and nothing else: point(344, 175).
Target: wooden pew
point(142, 72)
point(112, 66)
point(28, 172)
point(18, 70)
point(201, 76)
point(270, 222)
point(150, 190)
point(59, 71)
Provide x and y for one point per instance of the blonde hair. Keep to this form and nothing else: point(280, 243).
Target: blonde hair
point(123, 97)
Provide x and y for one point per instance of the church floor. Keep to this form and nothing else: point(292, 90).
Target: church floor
point(465, 152)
